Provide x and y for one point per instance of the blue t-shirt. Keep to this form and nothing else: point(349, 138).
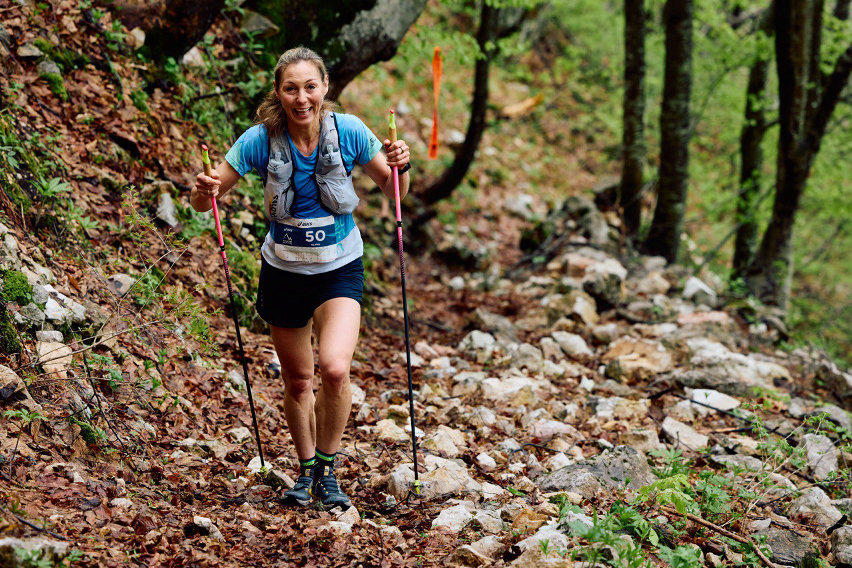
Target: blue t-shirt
point(358, 145)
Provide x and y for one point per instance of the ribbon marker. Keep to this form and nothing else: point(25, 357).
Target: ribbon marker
point(436, 90)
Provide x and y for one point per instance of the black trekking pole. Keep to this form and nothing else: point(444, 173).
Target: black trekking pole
point(208, 170)
point(392, 137)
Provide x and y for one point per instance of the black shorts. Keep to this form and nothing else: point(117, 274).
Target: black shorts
point(289, 299)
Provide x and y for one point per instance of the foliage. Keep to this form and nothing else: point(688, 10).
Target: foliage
point(9, 342)
point(16, 288)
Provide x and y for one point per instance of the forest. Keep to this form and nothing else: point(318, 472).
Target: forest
point(606, 325)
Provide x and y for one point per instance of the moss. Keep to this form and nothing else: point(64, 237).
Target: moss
point(56, 84)
point(66, 59)
point(89, 433)
point(16, 288)
point(9, 342)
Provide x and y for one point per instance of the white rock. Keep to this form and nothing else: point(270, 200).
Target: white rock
point(455, 518)
point(358, 395)
point(815, 503)
point(822, 455)
point(121, 503)
point(557, 461)
point(240, 434)
point(486, 462)
point(54, 358)
point(547, 429)
point(492, 491)
point(387, 431)
point(684, 434)
point(207, 524)
point(478, 345)
point(712, 398)
point(699, 292)
point(456, 283)
point(57, 313)
point(572, 344)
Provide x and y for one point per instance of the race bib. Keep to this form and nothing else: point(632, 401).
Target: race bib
point(307, 240)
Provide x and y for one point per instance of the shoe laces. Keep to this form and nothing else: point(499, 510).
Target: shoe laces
point(329, 483)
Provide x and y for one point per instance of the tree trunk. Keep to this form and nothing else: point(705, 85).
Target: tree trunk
point(664, 236)
point(454, 175)
point(350, 35)
point(806, 102)
point(171, 27)
point(633, 139)
point(751, 138)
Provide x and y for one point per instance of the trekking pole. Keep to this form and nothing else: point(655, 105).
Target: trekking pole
point(392, 137)
point(208, 170)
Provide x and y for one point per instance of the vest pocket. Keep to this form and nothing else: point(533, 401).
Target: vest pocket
point(337, 194)
point(280, 198)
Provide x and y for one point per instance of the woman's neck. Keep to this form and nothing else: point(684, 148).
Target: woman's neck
point(304, 136)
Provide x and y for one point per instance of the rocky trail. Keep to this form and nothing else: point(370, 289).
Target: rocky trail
point(581, 406)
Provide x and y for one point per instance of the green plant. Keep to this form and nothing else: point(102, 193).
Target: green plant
point(16, 288)
point(56, 84)
point(140, 100)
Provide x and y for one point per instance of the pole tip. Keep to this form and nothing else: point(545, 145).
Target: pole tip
point(204, 147)
point(391, 111)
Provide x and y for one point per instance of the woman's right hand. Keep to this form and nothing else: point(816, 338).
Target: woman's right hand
point(207, 186)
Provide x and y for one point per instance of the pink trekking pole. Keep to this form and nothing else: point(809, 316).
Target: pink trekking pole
point(392, 138)
point(208, 170)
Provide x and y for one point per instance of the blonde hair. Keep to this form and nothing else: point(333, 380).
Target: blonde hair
point(270, 113)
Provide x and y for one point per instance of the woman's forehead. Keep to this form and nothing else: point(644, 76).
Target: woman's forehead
point(301, 71)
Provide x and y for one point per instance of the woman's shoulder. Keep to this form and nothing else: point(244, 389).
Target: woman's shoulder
point(255, 132)
point(348, 121)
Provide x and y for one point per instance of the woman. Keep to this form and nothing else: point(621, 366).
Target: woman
point(311, 273)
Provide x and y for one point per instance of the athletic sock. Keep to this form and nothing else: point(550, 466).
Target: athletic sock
point(325, 460)
point(306, 466)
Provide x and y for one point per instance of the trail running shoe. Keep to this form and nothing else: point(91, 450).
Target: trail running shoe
point(300, 494)
point(326, 490)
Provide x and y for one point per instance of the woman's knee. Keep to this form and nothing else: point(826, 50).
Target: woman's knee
point(335, 373)
point(298, 385)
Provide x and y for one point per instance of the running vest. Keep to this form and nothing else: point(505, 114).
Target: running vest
point(320, 239)
point(336, 191)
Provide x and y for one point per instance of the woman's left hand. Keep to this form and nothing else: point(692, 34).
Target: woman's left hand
point(397, 154)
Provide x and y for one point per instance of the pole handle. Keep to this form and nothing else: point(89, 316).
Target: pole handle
point(205, 159)
point(391, 127)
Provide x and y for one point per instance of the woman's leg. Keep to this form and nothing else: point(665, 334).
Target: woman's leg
point(297, 367)
point(337, 322)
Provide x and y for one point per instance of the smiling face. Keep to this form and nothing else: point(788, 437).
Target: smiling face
point(301, 90)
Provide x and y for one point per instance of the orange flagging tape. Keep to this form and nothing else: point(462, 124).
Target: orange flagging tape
point(436, 88)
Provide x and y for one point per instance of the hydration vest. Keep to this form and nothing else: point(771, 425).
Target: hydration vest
point(334, 183)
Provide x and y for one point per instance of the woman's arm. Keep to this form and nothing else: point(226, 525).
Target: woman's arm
point(222, 180)
point(379, 168)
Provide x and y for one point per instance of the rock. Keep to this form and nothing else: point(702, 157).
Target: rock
point(32, 316)
point(387, 431)
point(48, 67)
point(445, 441)
point(254, 465)
point(532, 555)
point(835, 379)
point(636, 359)
point(821, 454)
point(478, 345)
point(520, 205)
point(121, 503)
point(610, 469)
point(236, 379)
point(50, 552)
point(358, 395)
point(714, 366)
point(653, 283)
point(814, 504)
point(681, 433)
point(588, 217)
point(642, 440)
point(54, 358)
point(511, 391)
point(166, 211)
point(193, 58)
point(841, 545)
point(207, 528)
point(550, 349)
point(527, 356)
point(748, 463)
point(486, 462)
point(682, 411)
point(239, 434)
point(29, 51)
point(834, 413)
point(136, 38)
point(606, 333)
point(51, 336)
point(483, 552)
point(620, 408)
point(545, 430)
point(788, 548)
point(698, 292)
point(572, 344)
point(57, 313)
point(13, 391)
point(687, 319)
point(604, 281)
point(709, 397)
point(455, 518)
point(120, 283)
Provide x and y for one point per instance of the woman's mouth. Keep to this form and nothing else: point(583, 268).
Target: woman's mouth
point(302, 112)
